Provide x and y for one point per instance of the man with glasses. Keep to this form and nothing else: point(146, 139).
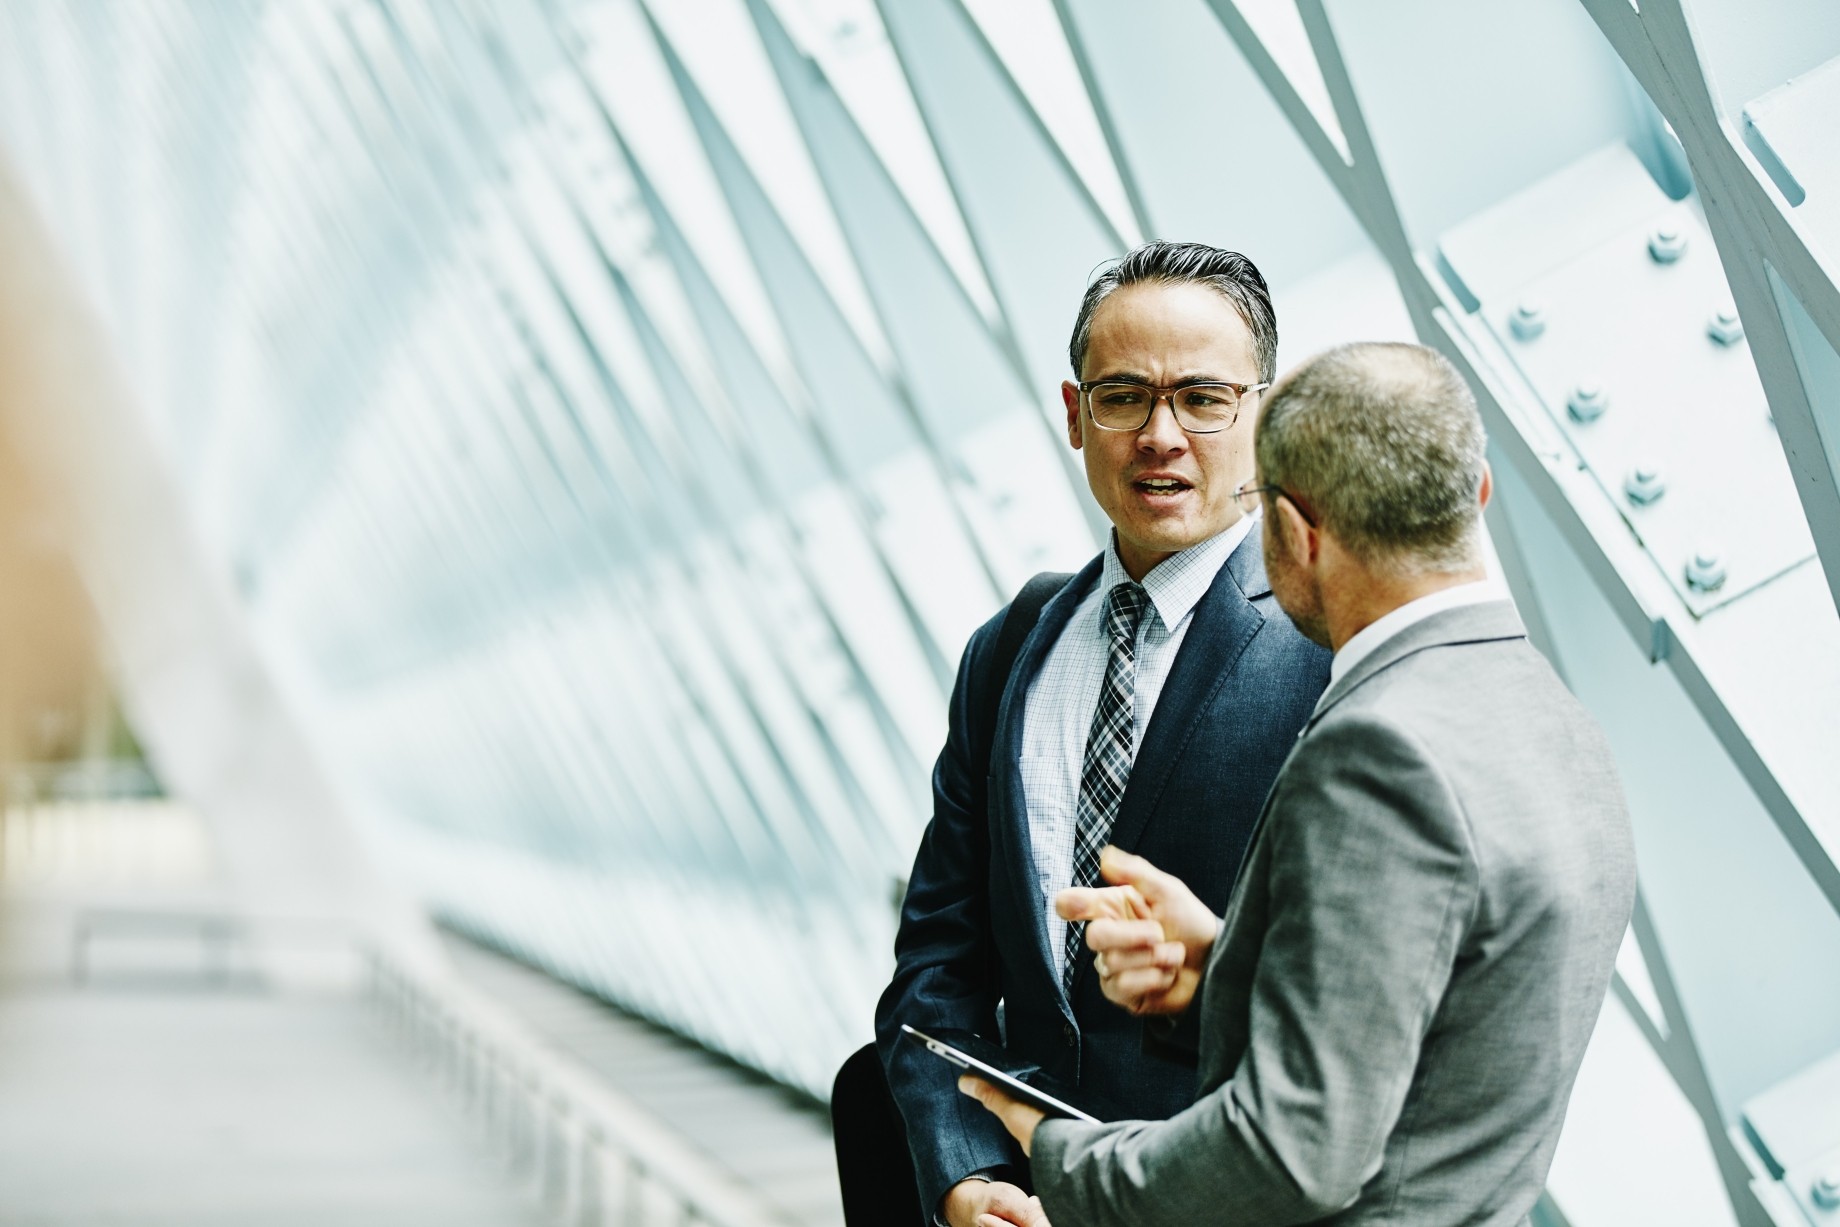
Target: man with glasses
point(1150, 705)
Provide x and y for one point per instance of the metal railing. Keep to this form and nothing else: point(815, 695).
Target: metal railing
point(594, 1159)
point(100, 779)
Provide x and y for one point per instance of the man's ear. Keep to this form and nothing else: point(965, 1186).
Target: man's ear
point(1302, 540)
point(1487, 490)
point(1070, 396)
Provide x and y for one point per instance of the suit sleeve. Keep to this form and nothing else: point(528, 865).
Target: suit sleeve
point(945, 969)
point(1370, 883)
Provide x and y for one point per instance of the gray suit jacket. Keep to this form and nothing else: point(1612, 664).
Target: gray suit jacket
point(1413, 960)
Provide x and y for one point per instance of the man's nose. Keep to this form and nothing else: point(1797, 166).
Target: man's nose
point(1162, 432)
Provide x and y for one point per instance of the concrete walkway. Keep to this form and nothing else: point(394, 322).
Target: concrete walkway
point(153, 1097)
point(156, 1094)
point(775, 1143)
point(209, 1109)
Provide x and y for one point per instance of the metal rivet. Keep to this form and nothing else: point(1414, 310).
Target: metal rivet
point(1826, 1190)
point(1645, 484)
point(1528, 320)
point(1588, 401)
point(1706, 569)
point(1725, 326)
point(1666, 243)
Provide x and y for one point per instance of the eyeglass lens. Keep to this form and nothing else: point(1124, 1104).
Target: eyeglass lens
point(1200, 406)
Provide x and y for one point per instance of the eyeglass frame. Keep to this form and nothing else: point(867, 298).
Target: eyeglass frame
point(1246, 490)
point(1167, 392)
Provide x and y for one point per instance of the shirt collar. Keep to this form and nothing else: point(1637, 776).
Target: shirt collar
point(1370, 637)
point(1177, 584)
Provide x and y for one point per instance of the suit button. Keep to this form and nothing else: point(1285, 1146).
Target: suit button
point(1069, 1034)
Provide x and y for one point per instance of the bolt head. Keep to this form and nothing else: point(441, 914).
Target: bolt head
point(1667, 243)
point(1826, 1190)
point(1725, 326)
point(1587, 401)
point(1645, 484)
point(1528, 320)
point(1706, 569)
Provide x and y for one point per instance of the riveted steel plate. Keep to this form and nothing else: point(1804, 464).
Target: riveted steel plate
point(1677, 400)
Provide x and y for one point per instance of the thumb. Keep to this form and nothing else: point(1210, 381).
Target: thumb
point(1122, 868)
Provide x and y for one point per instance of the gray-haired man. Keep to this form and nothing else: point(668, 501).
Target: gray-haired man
point(1396, 1004)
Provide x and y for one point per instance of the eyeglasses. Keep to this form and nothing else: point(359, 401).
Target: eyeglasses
point(1200, 408)
point(1247, 496)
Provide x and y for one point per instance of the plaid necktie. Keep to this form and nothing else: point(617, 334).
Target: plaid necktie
point(1107, 764)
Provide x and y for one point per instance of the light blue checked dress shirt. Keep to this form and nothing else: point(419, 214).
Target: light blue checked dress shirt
point(1062, 698)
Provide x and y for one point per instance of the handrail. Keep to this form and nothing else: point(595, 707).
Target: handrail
point(590, 1151)
point(94, 779)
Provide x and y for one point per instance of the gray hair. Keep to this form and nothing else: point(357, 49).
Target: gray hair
point(1383, 443)
point(1235, 277)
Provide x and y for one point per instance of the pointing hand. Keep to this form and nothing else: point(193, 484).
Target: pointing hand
point(1149, 933)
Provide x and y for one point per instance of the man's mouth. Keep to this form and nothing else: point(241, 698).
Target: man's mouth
point(1161, 485)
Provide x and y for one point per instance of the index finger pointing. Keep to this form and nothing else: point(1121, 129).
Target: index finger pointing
point(1100, 903)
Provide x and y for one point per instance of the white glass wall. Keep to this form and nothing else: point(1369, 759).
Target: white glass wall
point(614, 415)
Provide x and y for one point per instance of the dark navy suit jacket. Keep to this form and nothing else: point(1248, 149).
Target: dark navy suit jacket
point(973, 932)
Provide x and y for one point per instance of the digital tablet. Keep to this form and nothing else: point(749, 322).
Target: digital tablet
point(1011, 1084)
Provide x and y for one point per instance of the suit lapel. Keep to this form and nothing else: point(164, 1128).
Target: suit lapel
point(1009, 816)
point(1224, 622)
